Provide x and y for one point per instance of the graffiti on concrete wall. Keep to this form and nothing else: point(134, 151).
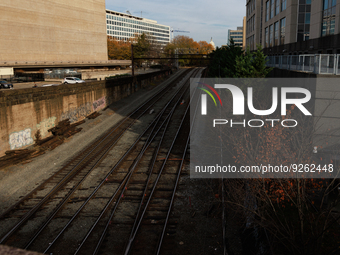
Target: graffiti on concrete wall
point(76, 114)
point(20, 139)
point(45, 125)
point(99, 104)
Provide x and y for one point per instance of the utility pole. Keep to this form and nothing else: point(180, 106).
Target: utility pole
point(132, 61)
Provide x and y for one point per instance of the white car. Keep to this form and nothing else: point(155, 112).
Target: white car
point(72, 80)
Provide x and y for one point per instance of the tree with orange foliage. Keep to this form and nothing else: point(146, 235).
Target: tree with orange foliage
point(118, 49)
point(205, 47)
point(187, 47)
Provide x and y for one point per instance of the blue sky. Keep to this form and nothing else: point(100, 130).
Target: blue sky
point(204, 19)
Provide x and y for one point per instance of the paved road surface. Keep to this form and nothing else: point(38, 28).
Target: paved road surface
point(25, 85)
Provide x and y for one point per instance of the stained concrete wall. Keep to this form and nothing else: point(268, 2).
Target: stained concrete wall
point(24, 111)
point(56, 30)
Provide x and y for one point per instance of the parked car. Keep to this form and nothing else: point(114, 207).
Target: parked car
point(5, 85)
point(72, 80)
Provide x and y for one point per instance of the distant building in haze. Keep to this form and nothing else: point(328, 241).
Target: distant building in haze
point(237, 36)
point(123, 26)
point(212, 44)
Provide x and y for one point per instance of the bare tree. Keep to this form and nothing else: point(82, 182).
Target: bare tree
point(297, 214)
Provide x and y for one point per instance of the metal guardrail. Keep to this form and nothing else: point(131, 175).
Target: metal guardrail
point(81, 62)
point(316, 63)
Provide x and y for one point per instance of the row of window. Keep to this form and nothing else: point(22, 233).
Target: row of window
point(251, 42)
point(236, 36)
point(304, 20)
point(134, 31)
point(273, 8)
point(251, 7)
point(251, 24)
point(117, 23)
point(129, 34)
point(121, 38)
point(134, 21)
point(328, 17)
point(275, 33)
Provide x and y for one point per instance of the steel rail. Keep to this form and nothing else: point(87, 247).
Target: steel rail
point(145, 190)
point(84, 157)
point(61, 204)
point(153, 160)
point(66, 179)
point(130, 241)
point(177, 179)
point(129, 175)
point(72, 172)
point(103, 181)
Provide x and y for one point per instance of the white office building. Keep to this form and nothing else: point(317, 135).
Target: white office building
point(236, 35)
point(122, 26)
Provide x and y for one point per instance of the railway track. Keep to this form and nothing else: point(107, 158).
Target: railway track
point(105, 192)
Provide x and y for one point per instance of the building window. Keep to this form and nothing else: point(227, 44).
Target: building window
point(276, 35)
point(277, 7)
point(283, 31)
point(271, 35)
point(304, 21)
point(328, 17)
point(272, 7)
point(267, 10)
point(267, 37)
point(254, 22)
point(284, 5)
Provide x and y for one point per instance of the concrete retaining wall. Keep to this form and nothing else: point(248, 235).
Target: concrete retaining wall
point(24, 111)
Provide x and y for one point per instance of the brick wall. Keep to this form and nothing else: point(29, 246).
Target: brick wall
point(24, 111)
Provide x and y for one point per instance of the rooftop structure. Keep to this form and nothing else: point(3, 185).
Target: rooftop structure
point(212, 43)
point(123, 26)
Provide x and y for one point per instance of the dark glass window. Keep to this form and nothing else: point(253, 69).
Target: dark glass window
point(276, 35)
point(267, 10)
point(283, 5)
point(328, 17)
point(277, 7)
point(303, 19)
point(283, 30)
point(271, 35)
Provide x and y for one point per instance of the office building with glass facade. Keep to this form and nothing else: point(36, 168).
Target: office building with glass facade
point(293, 27)
point(123, 26)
